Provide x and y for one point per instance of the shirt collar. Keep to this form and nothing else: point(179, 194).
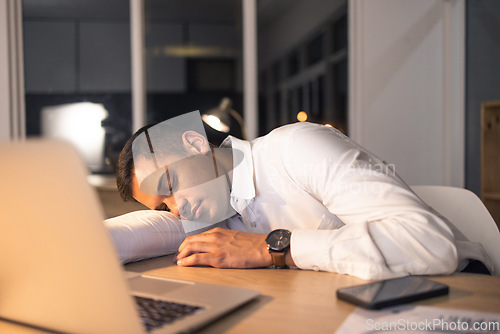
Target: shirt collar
point(242, 186)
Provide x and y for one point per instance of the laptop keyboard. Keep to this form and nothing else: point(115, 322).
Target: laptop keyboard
point(157, 313)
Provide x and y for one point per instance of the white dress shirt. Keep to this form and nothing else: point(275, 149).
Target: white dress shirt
point(348, 210)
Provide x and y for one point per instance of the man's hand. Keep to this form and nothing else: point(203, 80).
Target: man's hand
point(222, 248)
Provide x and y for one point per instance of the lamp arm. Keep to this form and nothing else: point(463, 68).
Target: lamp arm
point(240, 121)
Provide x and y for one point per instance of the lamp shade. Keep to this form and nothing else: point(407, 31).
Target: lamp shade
point(219, 118)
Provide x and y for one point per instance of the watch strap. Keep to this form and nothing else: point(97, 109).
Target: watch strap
point(279, 261)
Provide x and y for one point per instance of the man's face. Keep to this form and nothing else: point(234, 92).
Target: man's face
point(190, 189)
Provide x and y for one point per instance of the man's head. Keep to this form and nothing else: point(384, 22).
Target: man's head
point(170, 167)
point(125, 167)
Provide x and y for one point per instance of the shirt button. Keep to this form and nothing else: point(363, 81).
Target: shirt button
point(315, 268)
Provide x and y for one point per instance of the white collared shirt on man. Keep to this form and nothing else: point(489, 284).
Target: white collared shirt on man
point(348, 210)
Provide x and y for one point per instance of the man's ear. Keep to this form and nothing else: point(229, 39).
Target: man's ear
point(195, 143)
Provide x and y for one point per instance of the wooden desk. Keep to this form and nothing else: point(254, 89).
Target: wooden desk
point(299, 301)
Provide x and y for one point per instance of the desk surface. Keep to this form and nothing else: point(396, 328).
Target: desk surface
point(299, 301)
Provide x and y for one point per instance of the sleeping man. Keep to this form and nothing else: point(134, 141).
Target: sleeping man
point(303, 195)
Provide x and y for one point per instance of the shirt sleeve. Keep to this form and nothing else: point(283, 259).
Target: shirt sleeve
point(388, 231)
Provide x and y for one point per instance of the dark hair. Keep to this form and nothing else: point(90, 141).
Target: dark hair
point(125, 166)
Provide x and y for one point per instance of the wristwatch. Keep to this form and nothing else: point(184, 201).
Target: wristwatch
point(278, 244)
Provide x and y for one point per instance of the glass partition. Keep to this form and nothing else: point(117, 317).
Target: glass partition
point(77, 75)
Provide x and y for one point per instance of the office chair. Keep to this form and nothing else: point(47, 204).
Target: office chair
point(464, 209)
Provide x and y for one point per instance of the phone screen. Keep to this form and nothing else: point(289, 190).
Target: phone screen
point(391, 292)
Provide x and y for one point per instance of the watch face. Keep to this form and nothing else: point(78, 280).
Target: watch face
point(278, 240)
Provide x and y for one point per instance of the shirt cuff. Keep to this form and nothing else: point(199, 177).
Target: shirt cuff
point(307, 251)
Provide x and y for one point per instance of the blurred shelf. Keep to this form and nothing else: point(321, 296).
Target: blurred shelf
point(111, 201)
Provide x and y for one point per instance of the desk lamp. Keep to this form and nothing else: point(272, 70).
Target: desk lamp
point(219, 118)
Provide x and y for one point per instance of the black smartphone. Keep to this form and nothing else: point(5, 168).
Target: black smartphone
point(391, 292)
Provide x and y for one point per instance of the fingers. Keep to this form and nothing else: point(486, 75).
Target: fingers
point(192, 248)
point(208, 259)
point(211, 236)
point(196, 239)
point(207, 242)
point(222, 248)
point(200, 253)
point(188, 261)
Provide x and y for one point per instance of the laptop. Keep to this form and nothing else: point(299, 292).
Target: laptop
point(59, 270)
